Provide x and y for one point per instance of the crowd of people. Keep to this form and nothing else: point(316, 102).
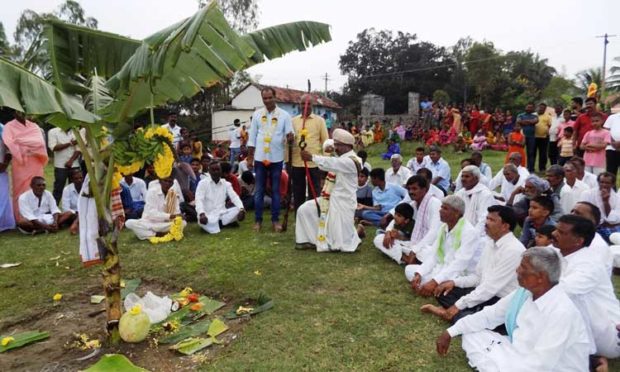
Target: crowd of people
point(541, 299)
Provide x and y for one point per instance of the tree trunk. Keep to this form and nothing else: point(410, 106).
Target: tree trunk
point(111, 278)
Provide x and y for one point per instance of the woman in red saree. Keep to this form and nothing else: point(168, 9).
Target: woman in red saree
point(474, 119)
point(24, 140)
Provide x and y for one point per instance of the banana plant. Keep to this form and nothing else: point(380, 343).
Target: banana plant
point(174, 63)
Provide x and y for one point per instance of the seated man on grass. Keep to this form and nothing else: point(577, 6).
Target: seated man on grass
point(38, 211)
point(385, 196)
point(161, 208)
point(545, 329)
point(494, 277)
point(211, 196)
point(70, 197)
point(454, 252)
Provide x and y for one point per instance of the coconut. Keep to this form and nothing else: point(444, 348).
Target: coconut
point(134, 325)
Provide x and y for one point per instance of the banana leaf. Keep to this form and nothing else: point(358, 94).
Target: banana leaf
point(130, 286)
point(23, 339)
point(192, 345)
point(26, 92)
point(264, 303)
point(114, 362)
point(186, 315)
point(187, 331)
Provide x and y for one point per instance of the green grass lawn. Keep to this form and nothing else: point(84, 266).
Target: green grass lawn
point(332, 311)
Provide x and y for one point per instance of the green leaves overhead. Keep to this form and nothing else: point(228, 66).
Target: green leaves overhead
point(75, 53)
point(24, 91)
point(198, 53)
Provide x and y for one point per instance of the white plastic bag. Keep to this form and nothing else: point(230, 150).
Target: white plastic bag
point(157, 308)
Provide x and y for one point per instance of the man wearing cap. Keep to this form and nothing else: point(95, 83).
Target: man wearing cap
point(398, 174)
point(315, 134)
point(333, 229)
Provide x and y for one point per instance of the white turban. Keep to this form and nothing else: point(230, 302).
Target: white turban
point(343, 136)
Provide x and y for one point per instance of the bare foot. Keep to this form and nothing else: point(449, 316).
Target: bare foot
point(277, 227)
point(256, 227)
point(432, 309)
point(361, 231)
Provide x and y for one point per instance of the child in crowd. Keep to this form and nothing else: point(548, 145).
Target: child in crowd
point(403, 222)
point(543, 236)
point(393, 148)
point(566, 146)
point(445, 137)
point(480, 141)
point(516, 143)
point(185, 152)
point(594, 143)
point(459, 144)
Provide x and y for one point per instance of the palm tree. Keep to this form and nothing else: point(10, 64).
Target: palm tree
point(174, 63)
point(587, 77)
point(612, 83)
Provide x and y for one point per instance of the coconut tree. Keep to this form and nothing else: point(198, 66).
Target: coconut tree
point(174, 63)
point(613, 81)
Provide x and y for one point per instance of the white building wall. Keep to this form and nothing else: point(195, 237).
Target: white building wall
point(248, 99)
point(223, 122)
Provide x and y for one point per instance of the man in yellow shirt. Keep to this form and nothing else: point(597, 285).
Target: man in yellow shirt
point(541, 132)
point(315, 134)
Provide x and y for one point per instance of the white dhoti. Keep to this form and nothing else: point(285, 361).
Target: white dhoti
point(396, 251)
point(341, 234)
point(89, 231)
point(489, 351)
point(410, 271)
point(615, 248)
point(145, 229)
point(227, 217)
point(46, 218)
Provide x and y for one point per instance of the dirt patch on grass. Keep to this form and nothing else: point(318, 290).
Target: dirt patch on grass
point(75, 316)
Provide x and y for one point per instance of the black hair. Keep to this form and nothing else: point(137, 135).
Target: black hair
point(546, 230)
point(420, 149)
point(569, 130)
point(507, 215)
point(545, 202)
point(362, 154)
point(271, 89)
point(426, 173)
point(596, 213)
point(378, 173)
point(36, 178)
point(405, 210)
point(580, 226)
point(365, 172)
point(591, 99)
point(418, 180)
point(194, 159)
point(226, 167)
point(607, 175)
point(556, 170)
point(577, 100)
point(247, 177)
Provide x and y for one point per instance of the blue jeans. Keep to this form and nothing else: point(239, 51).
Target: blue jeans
point(234, 154)
point(273, 171)
point(530, 149)
point(373, 216)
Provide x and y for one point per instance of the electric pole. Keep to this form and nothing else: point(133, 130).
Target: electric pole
point(605, 42)
point(326, 78)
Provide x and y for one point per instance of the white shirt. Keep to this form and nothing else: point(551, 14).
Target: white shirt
point(367, 166)
point(594, 196)
point(399, 178)
point(569, 196)
point(155, 204)
point(436, 191)
point(477, 201)
point(613, 124)
point(555, 128)
point(549, 334)
point(31, 207)
point(429, 219)
point(506, 187)
point(414, 166)
point(495, 274)
point(70, 198)
point(458, 260)
point(176, 133)
point(588, 284)
point(243, 167)
point(137, 189)
point(590, 180)
point(235, 137)
point(57, 136)
point(211, 197)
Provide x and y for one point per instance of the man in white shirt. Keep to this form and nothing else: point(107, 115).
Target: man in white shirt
point(588, 284)
point(587, 177)
point(517, 175)
point(454, 252)
point(494, 277)
point(174, 129)
point(477, 197)
point(440, 169)
point(235, 141)
point(418, 161)
point(137, 189)
point(38, 211)
point(598, 246)
point(485, 169)
point(162, 206)
point(545, 329)
point(70, 197)
point(425, 213)
point(571, 191)
point(66, 157)
point(397, 174)
point(612, 151)
point(608, 202)
point(211, 197)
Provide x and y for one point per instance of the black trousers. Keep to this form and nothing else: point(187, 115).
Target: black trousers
point(542, 147)
point(554, 152)
point(450, 299)
point(613, 161)
point(61, 178)
point(530, 150)
point(300, 184)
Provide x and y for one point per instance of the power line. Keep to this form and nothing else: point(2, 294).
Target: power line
point(326, 78)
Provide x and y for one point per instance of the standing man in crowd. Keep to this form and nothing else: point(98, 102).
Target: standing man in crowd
point(315, 134)
point(235, 141)
point(541, 133)
point(613, 150)
point(66, 157)
point(173, 128)
point(583, 124)
point(24, 141)
point(271, 128)
point(527, 120)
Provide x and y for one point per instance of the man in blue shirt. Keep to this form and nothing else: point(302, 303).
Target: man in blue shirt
point(440, 169)
point(528, 120)
point(270, 129)
point(385, 196)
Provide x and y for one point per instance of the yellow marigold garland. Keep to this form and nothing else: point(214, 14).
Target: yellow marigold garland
point(131, 168)
point(116, 179)
point(176, 233)
point(163, 162)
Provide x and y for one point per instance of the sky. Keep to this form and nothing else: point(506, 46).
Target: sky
point(563, 31)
